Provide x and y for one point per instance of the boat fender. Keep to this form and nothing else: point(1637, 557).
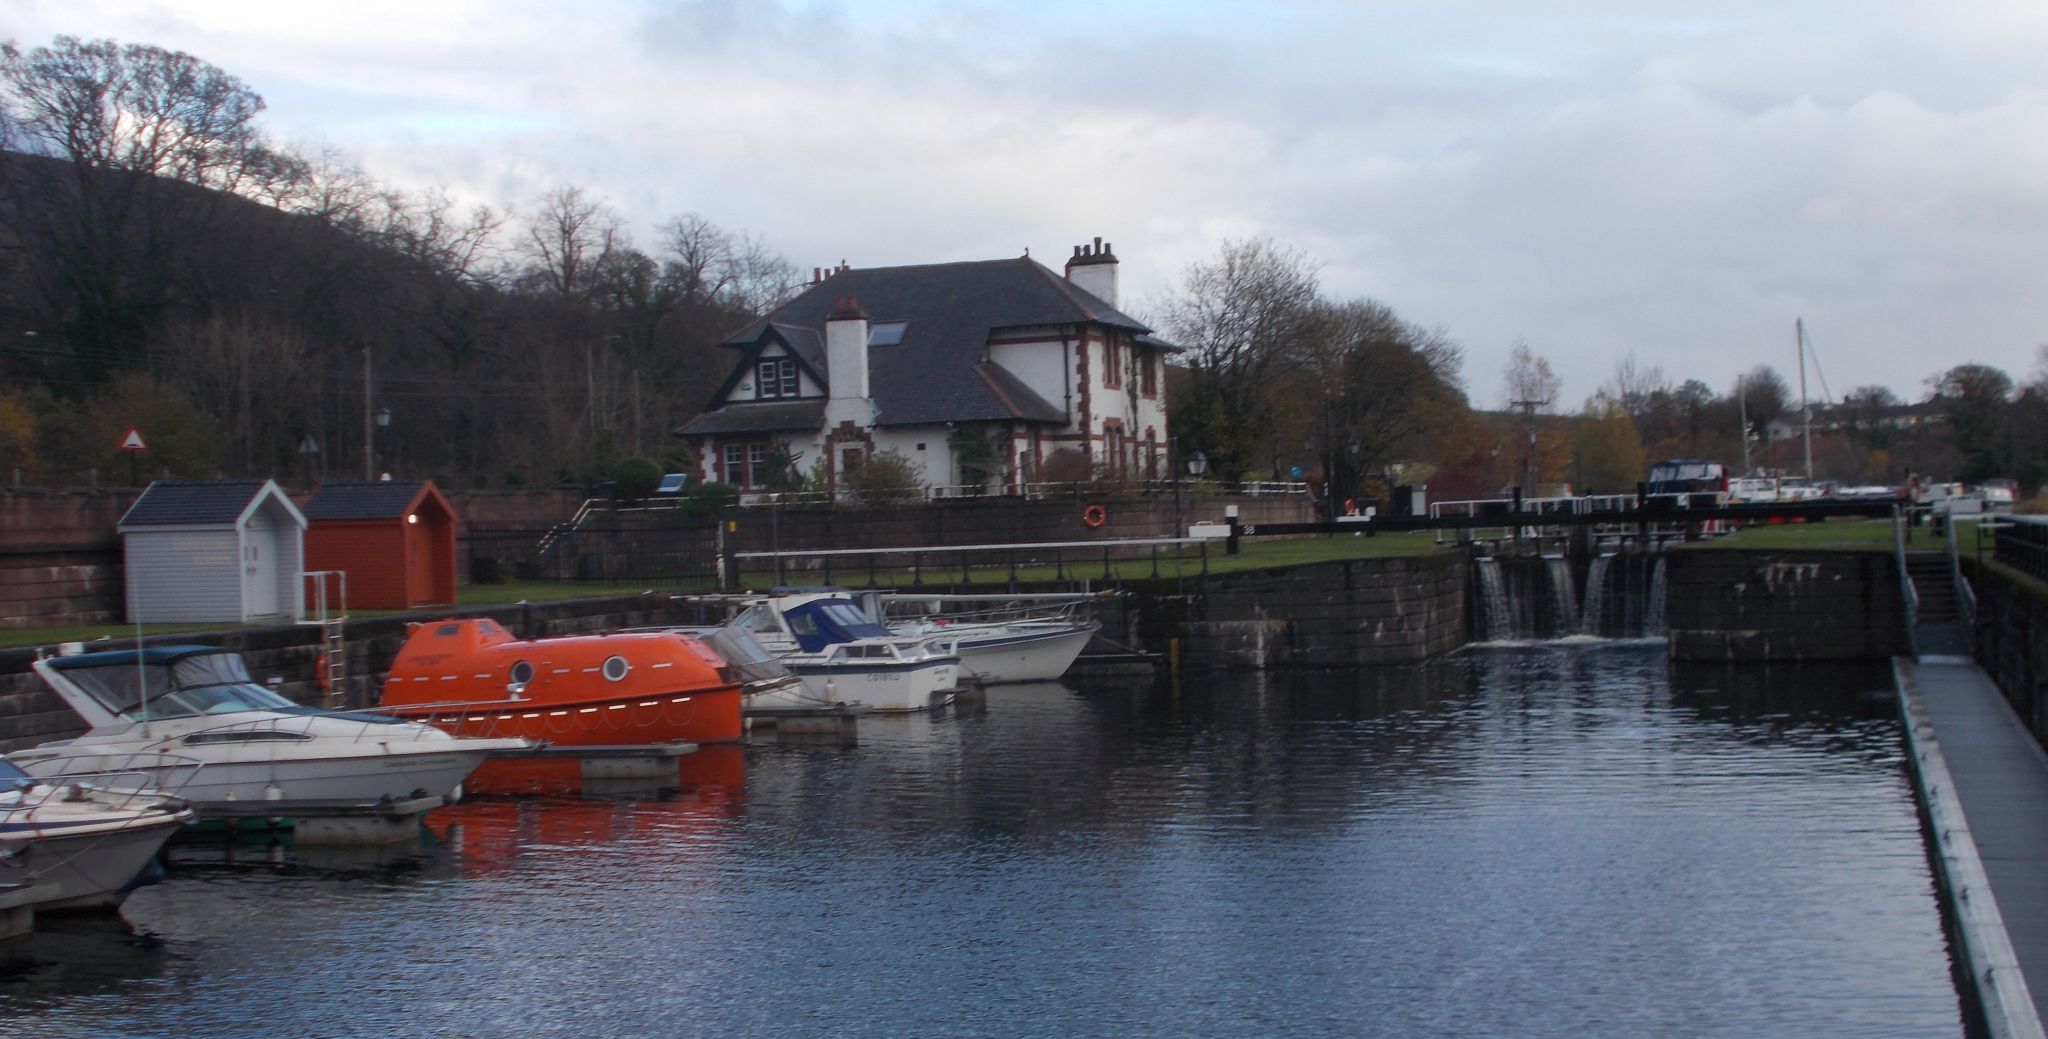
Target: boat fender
point(1094, 515)
point(321, 677)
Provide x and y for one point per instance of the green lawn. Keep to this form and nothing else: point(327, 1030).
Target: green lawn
point(1871, 535)
point(1080, 564)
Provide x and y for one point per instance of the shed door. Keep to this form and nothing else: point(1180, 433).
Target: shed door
point(258, 584)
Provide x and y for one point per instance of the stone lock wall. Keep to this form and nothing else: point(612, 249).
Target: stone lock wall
point(1395, 610)
point(1740, 605)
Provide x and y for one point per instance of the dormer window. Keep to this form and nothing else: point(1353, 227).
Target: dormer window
point(778, 378)
point(886, 333)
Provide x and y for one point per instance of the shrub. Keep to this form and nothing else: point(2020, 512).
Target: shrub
point(884, 478)
point(634, 478)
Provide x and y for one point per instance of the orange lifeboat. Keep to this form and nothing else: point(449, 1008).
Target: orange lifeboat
point(471, 677)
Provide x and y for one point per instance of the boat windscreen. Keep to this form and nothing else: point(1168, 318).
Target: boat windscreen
point(12, 778)
point(744, 654)
point(121, 688)
point(829, 622)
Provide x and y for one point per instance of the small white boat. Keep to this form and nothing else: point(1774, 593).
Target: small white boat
point(1004, 639)
point(81, 842)
point(842, 655)
point(151, 711)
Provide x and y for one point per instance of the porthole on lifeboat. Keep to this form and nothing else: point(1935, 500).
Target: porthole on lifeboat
point(522, 676)
point(615, 668)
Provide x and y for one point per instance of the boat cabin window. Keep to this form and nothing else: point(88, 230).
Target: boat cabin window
point(447, 629)
point(249, 736)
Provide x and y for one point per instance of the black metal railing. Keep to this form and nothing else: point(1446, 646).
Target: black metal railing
point(2021, 542)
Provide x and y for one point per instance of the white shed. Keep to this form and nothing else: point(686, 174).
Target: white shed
point(213, 550)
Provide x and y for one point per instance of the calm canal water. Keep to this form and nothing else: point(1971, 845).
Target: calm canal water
point(1533, 842)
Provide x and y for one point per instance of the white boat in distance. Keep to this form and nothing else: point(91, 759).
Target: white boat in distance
point(843, 655)
point(154, 710)
point(81, 842)
point(1001, 638)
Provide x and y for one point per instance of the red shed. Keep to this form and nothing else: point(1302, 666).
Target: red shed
point(394, 538)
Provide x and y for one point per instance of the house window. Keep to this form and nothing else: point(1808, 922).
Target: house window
point(736, 464)
point(1112, 362)
point(1148, 374)
point(778, 378)
point(886, 333)
point(1113, 449)
point(746, 465)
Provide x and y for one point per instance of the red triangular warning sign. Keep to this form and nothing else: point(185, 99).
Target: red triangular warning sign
point(132, 440)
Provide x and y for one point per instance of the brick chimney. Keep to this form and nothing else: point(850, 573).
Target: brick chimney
point(1092, 269)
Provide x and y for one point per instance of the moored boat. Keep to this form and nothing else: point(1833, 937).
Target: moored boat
point(472, 677)
point(1003, 639)
point(843, 655)
point(81, 842)
point(154, 711)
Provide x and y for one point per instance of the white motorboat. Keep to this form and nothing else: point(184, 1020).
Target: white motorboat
point(1001, 638)
point(843, 655)
point(152, 709)
point(81, 842)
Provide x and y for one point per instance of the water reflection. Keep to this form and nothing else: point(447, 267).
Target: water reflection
point(1539, 842)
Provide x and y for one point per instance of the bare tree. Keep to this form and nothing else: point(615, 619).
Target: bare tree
point(100, 137)
point(1529, 382)
point(569, 240)
point(1241, 319)
point(712, 267)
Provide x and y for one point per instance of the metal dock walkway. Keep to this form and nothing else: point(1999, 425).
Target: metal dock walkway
point(1983, 780)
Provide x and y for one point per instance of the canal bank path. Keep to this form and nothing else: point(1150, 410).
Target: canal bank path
point(1983, 780)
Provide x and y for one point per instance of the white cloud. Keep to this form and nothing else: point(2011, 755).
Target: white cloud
point(1593, 178)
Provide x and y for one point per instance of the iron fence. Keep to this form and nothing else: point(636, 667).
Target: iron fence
point(654, 547)
point(2020, 542)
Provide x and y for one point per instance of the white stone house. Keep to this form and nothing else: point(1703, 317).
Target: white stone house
point(932, 361)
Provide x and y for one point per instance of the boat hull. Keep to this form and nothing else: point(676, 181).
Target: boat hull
point(363, 774)
point(1023, 656)
point(912, 685)
point(90, 865)
point(701, 716)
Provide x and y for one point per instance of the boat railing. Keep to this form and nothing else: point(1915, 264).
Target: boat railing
point(125, 777)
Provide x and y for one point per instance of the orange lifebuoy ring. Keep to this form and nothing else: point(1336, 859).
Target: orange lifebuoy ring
point(1095, 515)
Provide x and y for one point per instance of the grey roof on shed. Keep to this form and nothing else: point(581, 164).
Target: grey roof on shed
point(363, 499)
point(778, 417)
point(937, 373)
point(186, 502)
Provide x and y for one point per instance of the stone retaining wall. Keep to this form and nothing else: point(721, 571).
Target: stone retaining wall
point(1740, 605)
point(1393, 610)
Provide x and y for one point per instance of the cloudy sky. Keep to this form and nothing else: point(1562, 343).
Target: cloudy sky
point(1674, 181)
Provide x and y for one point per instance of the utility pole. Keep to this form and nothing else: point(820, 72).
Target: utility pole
point(1742, 409)
point(1805, 409)
point(1529, 437)
point(369, 423)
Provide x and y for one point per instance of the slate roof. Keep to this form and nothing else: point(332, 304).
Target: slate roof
point(168, 502)
point(777, 417)
point(936, 374)
point(362, 499)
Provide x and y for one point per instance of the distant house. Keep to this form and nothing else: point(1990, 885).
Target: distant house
point(212, 550)
point(395, 539)
point(975, 372)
